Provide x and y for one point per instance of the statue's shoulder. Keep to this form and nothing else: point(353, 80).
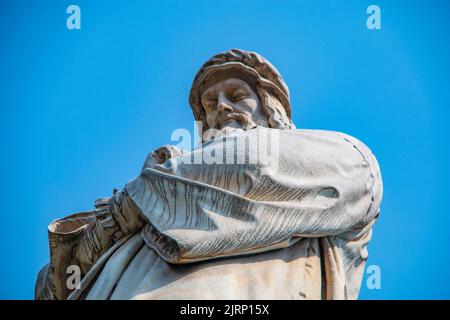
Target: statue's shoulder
point(333, 137)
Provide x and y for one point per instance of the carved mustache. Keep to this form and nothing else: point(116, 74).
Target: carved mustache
point(244, 120)
point(240, 117)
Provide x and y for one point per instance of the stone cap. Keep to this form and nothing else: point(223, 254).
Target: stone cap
point(250, 66)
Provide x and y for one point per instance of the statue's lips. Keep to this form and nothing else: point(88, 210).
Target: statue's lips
point(228, 120)
point(230, 117)
point(230, 123)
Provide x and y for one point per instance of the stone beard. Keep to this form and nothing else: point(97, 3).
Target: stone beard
point(293, 227)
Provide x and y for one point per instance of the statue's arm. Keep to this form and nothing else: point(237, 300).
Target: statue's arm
point(78, 241)
point(81, 239)
point(327, 184)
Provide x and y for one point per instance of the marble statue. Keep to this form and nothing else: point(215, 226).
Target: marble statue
point(258, 210)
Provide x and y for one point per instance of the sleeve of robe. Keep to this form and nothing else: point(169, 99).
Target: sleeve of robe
point(321, 183)
point(80, 240)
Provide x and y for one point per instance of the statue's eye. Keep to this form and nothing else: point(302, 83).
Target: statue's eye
point(210, 105)
point(238, 95)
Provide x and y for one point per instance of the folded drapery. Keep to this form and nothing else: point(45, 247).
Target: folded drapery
point(301, 183)
point(243, 193)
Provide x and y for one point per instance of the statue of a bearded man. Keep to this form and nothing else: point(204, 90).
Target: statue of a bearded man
point(258, 210)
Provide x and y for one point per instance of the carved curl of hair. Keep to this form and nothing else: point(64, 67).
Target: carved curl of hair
point(274, 110)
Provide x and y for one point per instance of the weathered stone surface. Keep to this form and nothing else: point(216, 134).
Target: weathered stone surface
point(259, 210)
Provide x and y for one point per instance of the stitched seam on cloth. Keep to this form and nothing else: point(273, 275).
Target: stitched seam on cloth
point(366, 219)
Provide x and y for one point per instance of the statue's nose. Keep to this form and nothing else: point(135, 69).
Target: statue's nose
point(223, 104)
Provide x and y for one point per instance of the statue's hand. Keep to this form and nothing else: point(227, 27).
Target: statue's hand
point(162, 154)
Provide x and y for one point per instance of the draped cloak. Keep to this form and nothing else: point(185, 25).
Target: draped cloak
point(264, 214)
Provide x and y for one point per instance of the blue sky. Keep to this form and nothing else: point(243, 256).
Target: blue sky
point(80, 109)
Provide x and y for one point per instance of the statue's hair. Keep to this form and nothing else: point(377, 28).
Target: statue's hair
point(274, 110)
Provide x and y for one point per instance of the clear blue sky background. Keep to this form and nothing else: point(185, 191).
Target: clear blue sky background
point(80, 110)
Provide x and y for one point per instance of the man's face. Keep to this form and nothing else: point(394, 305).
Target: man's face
point(232, 103)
